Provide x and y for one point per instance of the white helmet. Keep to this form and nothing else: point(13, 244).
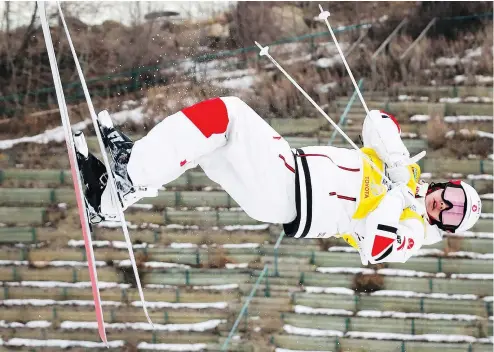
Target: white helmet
point(473, 207)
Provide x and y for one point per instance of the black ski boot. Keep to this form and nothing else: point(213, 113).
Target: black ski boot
point(120, 147)
point(94, 177)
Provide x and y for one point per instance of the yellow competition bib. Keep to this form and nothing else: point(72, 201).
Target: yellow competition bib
point(372, 190)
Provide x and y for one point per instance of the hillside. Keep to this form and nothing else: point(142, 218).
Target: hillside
point(171, 51)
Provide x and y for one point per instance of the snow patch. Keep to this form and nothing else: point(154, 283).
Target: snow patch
point(135, 115)
point(472, 99)
point(182, 227)
point(427, 316)
point(330, 290)
point(480, 177)
point(464, 118)
point(408, 273)
point(412, 294)
point(380, 335)
point(473, 276)
point(191, 305)
point(470, 234)
point(236, 266)
point(103, 244)
point(18, 342)
point(56, 134)
point(453, 119)
point(217, 287)
point(455, 100)
point(55, 263)
point(483, 79)
point(311, 332)
point(49, 284)
point(155, 265)
point(241, 245)
point(142, 206)
point(342, 249)
point(34, 324)
point(247, 227)
point(406, 337)
point(52, 302)
point(182, 245)
point(108, 224)
point(197, 327)
point(171, 347)
point(326, 62)
point(342, 270)
point(447, 61)
point(321, 311)
point(420, 118)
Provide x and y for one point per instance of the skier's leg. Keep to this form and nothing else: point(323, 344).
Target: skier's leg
point(175, 144)
point(235, 147)
point(169, 149)
point(256, 166)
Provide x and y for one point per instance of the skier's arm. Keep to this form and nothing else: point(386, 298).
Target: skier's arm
point(381, 132)
point(385, 239)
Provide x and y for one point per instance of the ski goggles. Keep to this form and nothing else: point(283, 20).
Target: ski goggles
point(454, 196)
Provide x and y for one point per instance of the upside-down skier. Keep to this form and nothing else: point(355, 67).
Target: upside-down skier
point(315, 191)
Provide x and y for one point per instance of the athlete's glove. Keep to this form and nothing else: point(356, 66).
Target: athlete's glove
point(404, 193)
point(398, 173)
point(397, 169)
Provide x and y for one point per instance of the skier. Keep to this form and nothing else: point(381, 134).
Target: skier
point(315, 191)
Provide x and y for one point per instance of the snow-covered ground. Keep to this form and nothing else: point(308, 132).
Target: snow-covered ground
point(47, 343)
point(109, 285)
point(299, 309)
point(196, 327)
point(290, 329)
point(453, 119)
point(451, 100)
point(400, 272)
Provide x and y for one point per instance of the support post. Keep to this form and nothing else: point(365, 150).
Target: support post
point(381, 48)
point(363, 33)
point(412, 46)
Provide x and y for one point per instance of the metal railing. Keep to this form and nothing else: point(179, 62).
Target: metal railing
point(382, 46)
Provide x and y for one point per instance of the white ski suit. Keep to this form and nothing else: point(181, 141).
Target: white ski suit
point(327, 192)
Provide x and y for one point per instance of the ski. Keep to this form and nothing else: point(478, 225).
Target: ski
point(78, 185)
point(88, 207)
point(111, 179)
